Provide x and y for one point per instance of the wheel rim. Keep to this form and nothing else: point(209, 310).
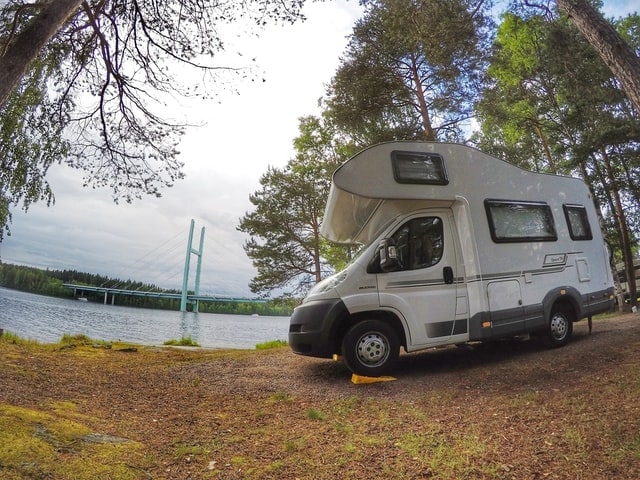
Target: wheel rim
point(373, 349)
point(559, 326)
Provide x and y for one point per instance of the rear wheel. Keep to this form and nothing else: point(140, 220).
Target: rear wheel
point(370, 348)
point(559, 329)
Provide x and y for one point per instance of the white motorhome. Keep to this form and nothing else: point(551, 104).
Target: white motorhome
point(459, 247)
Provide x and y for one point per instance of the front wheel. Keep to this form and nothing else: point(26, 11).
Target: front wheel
point(370, 348)
point(559, 329)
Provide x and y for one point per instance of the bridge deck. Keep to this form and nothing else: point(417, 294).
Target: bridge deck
point(142, 293)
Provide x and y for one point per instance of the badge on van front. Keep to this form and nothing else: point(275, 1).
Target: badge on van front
point(555, 259)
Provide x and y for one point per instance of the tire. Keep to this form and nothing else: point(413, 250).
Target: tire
point(370, 348)
point(559, 329)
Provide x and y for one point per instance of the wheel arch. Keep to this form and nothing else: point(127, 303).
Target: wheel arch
point(566, 299)
point(349, 320)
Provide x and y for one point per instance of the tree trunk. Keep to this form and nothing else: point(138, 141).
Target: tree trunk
point(616, 223)
point(625, 239)
point(633, 186)
point(429, 133)
point(545, 145)
point(614, 51)
point(317, 265)
point(26, 46)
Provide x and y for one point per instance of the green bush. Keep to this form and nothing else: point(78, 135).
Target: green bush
point(271, 344)
point(183, 342)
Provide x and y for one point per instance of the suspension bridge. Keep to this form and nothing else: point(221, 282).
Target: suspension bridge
point(185, 297)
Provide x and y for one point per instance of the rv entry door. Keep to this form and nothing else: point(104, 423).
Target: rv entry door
point(425, 287)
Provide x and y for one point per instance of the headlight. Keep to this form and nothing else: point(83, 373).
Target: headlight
point(328, 283)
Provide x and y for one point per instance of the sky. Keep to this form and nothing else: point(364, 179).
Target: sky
point(239, 137)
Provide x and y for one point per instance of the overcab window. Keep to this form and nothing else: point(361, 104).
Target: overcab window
point(578, 222)
point(419, 167)
point(513, 221)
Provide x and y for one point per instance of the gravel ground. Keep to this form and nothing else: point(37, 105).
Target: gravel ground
point(511, 409)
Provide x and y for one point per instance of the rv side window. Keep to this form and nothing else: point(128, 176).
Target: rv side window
point(512, 221)
point(418, 167)
point(419, 243)
point(578, 222)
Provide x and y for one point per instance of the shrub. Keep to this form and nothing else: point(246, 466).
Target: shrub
point(183, 342)
point(271, 344)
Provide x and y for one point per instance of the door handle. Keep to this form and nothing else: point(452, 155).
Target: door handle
point(447, 273)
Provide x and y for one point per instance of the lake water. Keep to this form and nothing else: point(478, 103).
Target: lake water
point(47, 319)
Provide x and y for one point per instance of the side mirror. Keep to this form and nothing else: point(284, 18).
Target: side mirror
point(388, 255)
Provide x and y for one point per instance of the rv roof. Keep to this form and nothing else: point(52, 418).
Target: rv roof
point(371, 173)
point(398, 172)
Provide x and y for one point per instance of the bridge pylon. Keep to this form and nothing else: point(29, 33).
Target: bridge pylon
point(187, 263)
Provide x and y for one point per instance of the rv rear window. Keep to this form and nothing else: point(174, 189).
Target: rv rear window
point(578, 222)
point(512, 221)
point(419, 167)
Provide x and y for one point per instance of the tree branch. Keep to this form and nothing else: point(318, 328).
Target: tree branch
point(28, 43)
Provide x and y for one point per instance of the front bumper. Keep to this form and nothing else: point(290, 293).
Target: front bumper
point(313, 326)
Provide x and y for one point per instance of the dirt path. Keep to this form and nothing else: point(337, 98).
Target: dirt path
point(503, 410)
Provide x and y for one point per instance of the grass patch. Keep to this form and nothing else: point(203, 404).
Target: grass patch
point(275, 466)
point(578, 445)
point(67, 341)
point(12, 338)
point(624, 447)
point(44, 444)
point(348, 405)
point(80, 340)
point(272, 344)
point(185, 451)
point(77, 340)
point(294, 444)
point(280, 397)
point(451, 456)
point(182, 342)
point(314, 414)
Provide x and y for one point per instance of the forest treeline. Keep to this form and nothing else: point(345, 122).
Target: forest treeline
point(50, 283)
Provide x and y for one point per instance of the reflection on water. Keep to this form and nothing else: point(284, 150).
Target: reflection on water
point(190, 325)
point(46, 319)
